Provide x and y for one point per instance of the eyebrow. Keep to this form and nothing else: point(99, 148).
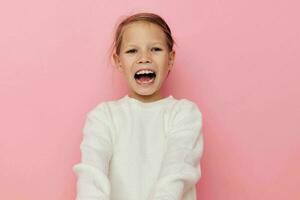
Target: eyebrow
point(153, 43)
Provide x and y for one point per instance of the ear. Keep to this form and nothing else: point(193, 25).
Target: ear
point(171, 59)
point(118, 62)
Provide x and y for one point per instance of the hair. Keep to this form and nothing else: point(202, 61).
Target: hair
point(141, 17)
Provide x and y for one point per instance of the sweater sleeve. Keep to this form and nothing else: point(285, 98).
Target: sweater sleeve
point(180, 169)
point(96, 151)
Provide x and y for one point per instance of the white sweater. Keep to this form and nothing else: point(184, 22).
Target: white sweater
point(132, 150)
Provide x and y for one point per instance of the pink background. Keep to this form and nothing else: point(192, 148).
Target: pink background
point(237, 59)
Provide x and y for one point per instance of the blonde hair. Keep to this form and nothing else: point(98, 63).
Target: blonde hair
point(141, 17)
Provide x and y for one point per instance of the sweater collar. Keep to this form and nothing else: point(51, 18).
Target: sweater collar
point(148, 104)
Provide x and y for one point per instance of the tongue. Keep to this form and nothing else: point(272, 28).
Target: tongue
point(144, 79)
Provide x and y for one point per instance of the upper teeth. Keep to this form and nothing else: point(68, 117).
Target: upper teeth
point(144, 72)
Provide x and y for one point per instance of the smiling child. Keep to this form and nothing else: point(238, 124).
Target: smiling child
point(143, 146)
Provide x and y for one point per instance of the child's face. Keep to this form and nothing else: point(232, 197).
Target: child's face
point(144, 46)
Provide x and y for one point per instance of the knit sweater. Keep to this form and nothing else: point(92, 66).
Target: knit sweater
point(134, 150)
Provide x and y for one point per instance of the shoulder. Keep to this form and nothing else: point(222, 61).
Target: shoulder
point(186, 107)
point(99, 110)
point(185, 115)
point(105, 108)
point(98, 122)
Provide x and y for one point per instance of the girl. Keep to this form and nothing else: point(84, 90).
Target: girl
point(143, 146)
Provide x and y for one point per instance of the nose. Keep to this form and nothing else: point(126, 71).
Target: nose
point(144, 57)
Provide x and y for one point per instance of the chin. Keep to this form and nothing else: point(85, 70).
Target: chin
point(144, 92)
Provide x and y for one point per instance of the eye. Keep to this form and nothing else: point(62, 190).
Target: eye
point(131, 51)
point(156, 49)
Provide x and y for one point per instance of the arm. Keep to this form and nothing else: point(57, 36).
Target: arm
point(96, 151)
point(180, 168)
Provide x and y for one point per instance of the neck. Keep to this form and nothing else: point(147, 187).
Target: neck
point(146, 98)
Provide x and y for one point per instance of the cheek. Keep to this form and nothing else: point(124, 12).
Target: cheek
point(128, 72)
point(128, 62)
point(164, 60)
point(165, 65)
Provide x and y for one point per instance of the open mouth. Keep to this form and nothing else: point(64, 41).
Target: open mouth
point(145, 76)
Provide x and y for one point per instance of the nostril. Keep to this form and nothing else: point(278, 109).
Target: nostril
point(142, 61)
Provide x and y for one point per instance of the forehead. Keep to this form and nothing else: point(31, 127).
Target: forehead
point(140, 32)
